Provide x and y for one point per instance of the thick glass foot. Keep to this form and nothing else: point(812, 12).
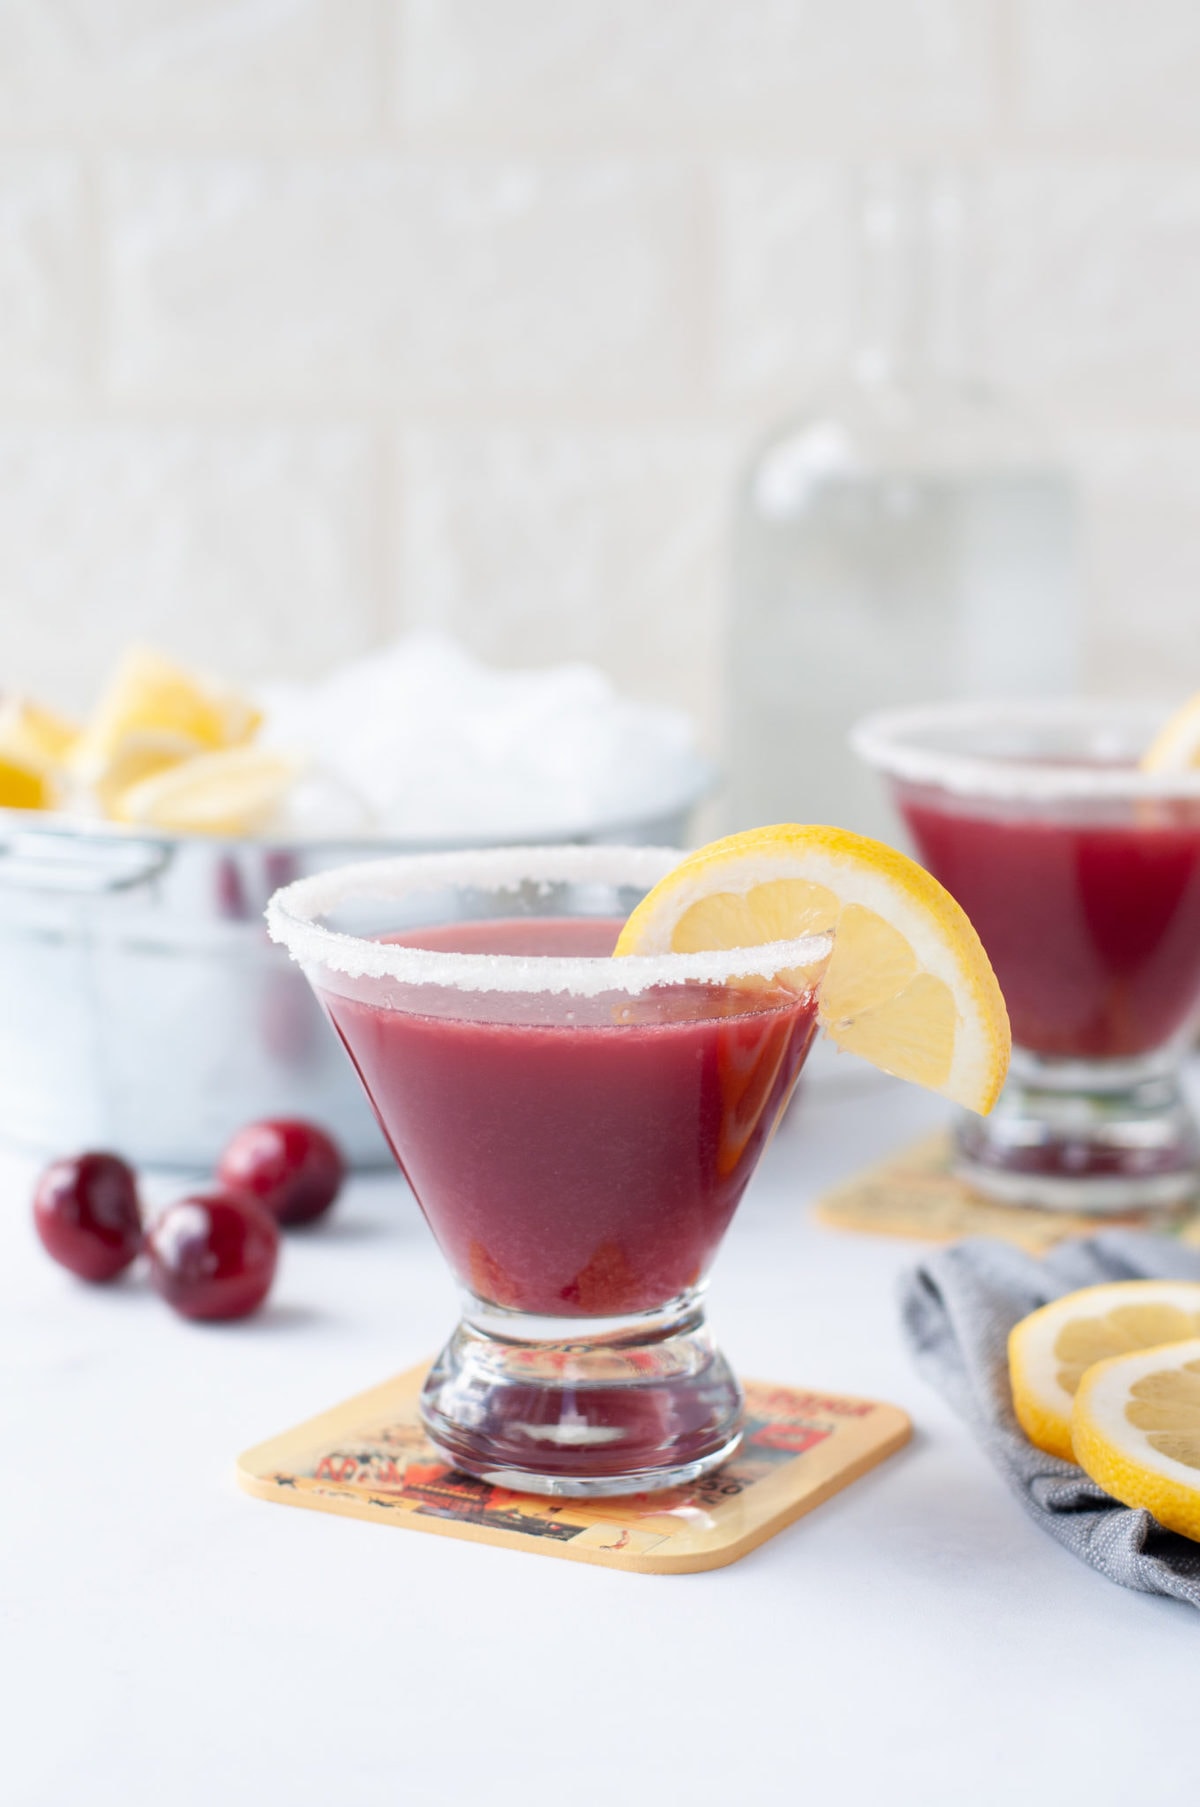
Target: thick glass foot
point(1092, 1136)
point(583, 1406)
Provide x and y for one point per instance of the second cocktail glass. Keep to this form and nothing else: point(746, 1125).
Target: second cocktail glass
point(1081, 874)
point(578, 1131)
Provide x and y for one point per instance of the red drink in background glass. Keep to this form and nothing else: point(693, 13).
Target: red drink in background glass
point(576, 1156)
point(1080, 870)
point(1093, 926)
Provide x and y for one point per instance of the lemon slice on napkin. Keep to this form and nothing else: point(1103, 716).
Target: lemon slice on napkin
point(1135, 1428)
point(1051, 1350)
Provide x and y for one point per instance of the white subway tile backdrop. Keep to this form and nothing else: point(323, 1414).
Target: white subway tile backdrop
point(319, 318)
point(237, 546)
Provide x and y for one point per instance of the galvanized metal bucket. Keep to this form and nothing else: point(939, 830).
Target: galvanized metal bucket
point(142, 1007)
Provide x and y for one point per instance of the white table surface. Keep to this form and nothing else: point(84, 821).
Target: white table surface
point(166, 1639)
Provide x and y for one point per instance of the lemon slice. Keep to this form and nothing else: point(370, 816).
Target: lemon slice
point(23, 784)
point(235, 792)
point(1136, 1430)
point(153, 714)
point(137, 755)
point(32, 744)
point(909, 987)
point(35, 733)
point(1050, 1351)
point(1176, 747)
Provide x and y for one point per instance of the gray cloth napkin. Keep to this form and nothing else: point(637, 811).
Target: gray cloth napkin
point(958, 1307)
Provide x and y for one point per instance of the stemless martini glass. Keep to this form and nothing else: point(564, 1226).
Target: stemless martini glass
point(1082, 875)
point(578, 1131)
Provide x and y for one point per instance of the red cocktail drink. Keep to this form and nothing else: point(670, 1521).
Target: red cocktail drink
point(578, 1131)
point(1093, 927)
point(1081, 874)
point(582, 1161)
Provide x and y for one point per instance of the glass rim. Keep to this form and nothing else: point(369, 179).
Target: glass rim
point(907, 744)
point(293, 911)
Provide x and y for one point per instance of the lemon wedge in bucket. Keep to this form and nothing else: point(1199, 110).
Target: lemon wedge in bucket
point(236, 792)
point(38, 733)
point(1050, 1351)
point(153, 714)
point(23, 784)
point(909, 987)
point(1135, 1429)
point(33, 742)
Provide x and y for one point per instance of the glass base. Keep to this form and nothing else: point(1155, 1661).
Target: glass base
point(583, 1406)
point(1089, 1136)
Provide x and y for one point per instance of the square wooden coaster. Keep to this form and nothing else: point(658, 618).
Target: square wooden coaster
point(369, 1458)
point(915, 1193)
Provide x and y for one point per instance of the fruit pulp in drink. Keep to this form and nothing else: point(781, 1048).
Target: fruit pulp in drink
point(576, 1156)
point(1091, 921)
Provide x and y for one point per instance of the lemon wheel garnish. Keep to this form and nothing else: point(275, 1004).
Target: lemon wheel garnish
point(909, 987)
point(231, 793)
point(1176, 746)
point(1135, 1429)
point(1050, 1351)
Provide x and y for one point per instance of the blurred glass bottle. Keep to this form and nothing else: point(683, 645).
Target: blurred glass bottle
point(908, 539)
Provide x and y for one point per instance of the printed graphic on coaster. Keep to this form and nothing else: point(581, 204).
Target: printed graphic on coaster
point(914, 1193)
point(369, 1458)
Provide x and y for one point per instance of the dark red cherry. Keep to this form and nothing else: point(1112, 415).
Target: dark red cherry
point(87, 1215)
point(213, 1255)
point(291, 1167)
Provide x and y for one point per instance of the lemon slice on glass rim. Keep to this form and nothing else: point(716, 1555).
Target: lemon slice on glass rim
point(909, 987)
point(1051, 1350)
point(1135, 1428)
point(1176, 746)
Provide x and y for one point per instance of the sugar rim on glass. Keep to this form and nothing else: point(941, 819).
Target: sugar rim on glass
point(292, 911)
point(891, 741)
